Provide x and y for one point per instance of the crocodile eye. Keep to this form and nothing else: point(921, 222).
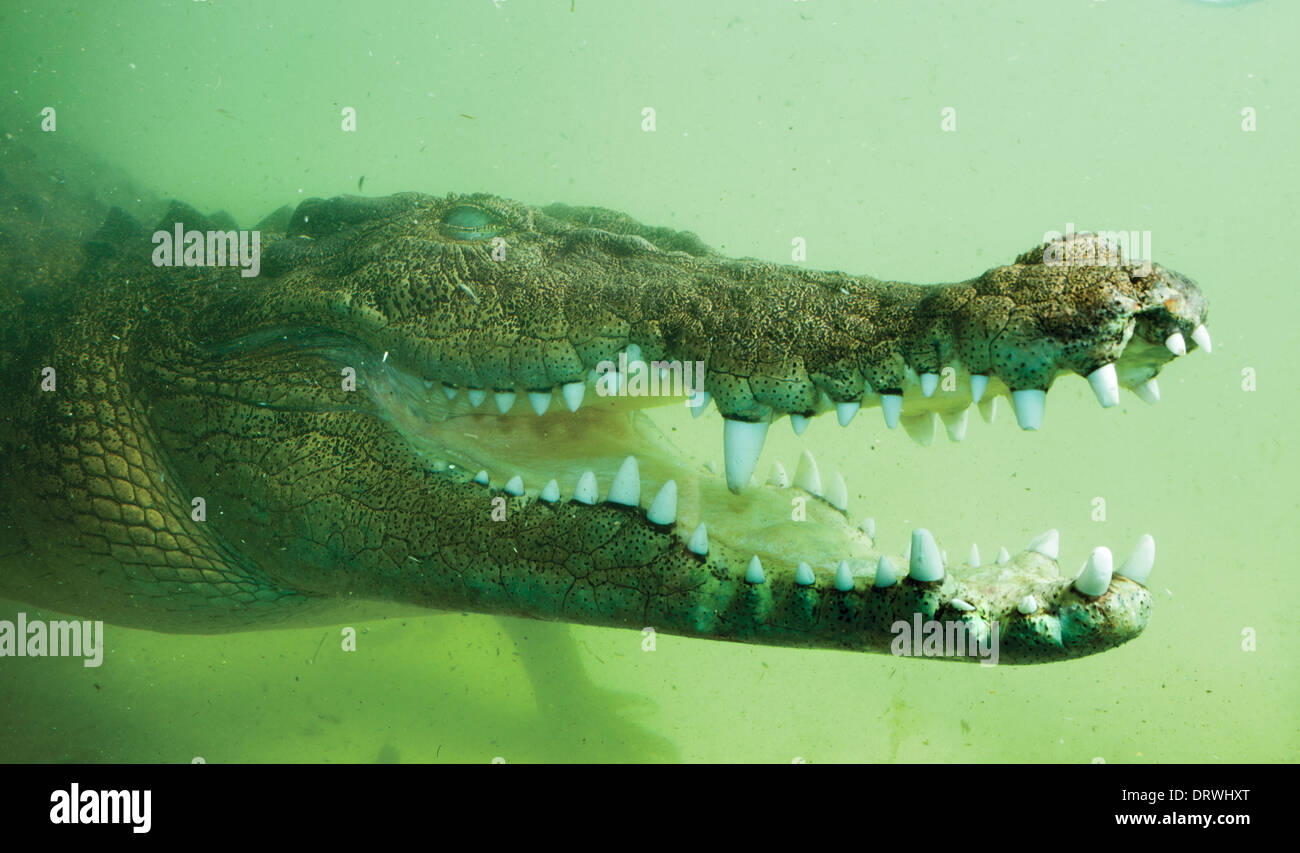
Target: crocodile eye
point(467, 222)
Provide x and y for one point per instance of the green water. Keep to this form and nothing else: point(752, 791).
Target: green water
point(773, 120)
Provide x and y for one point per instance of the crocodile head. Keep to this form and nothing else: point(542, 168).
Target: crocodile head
point(451, 402)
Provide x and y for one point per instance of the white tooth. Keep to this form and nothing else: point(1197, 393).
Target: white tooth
point(540, 401)
point(799, 423)
point(515, 486)
point(1028, 605)
point(845, 411)
point(1105, 385)
point(1094, 578)
point(428, 384)
point(573, 392)
point(450, 391)
point(1137, 567)
point(955, 423)
point(1029, 405)
point(663, 509)
point(989, 409)
point(1048, 544)
point(1175, 344)
point(1004, 556)
point(633, 355)
point(477, 396)
point(742, 442)
point(481, 478)
point(963, 605)
point(585, 492)
point(1201, 337)
point(886, 573)
point(1149, 391)
point(978, 382)
point(699, 543)
point(891, 406)
point(754, 574)
point(974, 559)
point(712, 467)
point(626, 488)
point(843, 577)
point(804, 576)
point(699, 403)
point(806, 476)
point(838, 494)
point(924, 563)
point(551, 492)
point(505, 400)
point(778, 477)
point(920, 428)
point(929, 384)
point(868, 526)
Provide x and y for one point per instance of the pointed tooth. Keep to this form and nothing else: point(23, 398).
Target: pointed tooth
point(573, 392)
point(663, 509)
point(978, 384)
point(845, 411)
point(891, 406)
point(799, 423)
point(754, 574)
point(428, 384)
point(868, 526)
point(924, 562)
point(699, 543)
point(481, 478)
point(1105, 384)
point(838, 493)
point(989, 409)
point(505, 401)
point(540, 401)
point(515, 486)
point(1094, 578)
point(886, 573)
point(955, 423)
point(450, 391)
point(1004, 556)
point(742, 442)
point(803, 575)
point(843, 577)
point(634, 355)
point(806, 476)
point(778, 477)
point(699, 403)
point(1175, 344)
point(974, 559)
point(1137, 567)
point(551, 492)
point(626, 488)
point(1029, 405)
point(1149, 391)
point(1048, 544)
point(920, 428)
point(929, 384)
point(1028, 605)
point(962, 604)
point(1201, 337)
point(585, 492)
point(477, 396)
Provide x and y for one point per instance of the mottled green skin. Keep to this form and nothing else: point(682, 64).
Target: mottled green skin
point(174, 383)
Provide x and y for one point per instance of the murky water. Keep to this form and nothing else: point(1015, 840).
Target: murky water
point(772, 121)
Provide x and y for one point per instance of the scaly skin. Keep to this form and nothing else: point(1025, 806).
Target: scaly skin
point(176, 383)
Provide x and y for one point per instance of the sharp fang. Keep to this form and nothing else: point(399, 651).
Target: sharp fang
point(742, 442)
point(806, 476)
point(1149, 391)
point(626, 488)
point(699, 543)
point(978, 382)
point(481, 478)
point(929, 384)
point(550, 493)
point(505, 401)
point(955, 423)
point(699, 403)
point(754, 574)
point(924, 564)
point(477, 396)
point(450, 391)
point(804, 576)
point(974, 559)
point(799, 423)
point(1201, 337)
point(515, 486)
point(1094, 579)
point(1004, 556)
point(1105, 384)
point(428, 384)
point(886, 573)
point(989, 409)
point(663, 509)
point(920, 428)
point(573, 392)
point(540, 401)
point(1029, 405)
point(868, 526)
point(838, 493)
point(778, 477)
point(1028, 605)
point(843, 577)
point(1137, 567)
point(844, 412)
point(1048, 544)
point(1175, 344)
point(585, 492)
point(891, 406)
point(963, 605)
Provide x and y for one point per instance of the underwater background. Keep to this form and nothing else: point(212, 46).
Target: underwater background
point(773, 120)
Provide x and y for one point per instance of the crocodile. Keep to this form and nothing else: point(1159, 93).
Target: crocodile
point(426, 402)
